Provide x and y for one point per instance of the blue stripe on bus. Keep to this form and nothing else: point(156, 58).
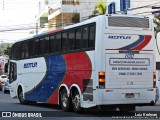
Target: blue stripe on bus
point(128, 47)
point(56, 68)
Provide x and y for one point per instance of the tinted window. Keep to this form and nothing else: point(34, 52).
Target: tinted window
point(36, 47)
point(25, 49)
point(58, 43)
point(52, 39)
point(91, 36)
point(16, 51)
point(78, 38)
point(71, 38)
point(41, 46)
point(31, 48)
point(85, 37)
point(47, 46)
point(64, 42)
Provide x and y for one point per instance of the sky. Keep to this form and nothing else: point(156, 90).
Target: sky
point(16, 14)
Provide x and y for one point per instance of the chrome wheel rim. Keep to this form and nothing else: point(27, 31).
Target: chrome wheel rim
point(76, 101)
point(64, 99)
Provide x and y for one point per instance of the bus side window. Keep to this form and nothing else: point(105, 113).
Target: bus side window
point(78, 39)
point(58, 43)
point(23, 50)
point(91, 36)
point(36, 47)
point(71, 39)
point(47, 46)
point(16, 51)
point(26, 49)
point(85, 37)
point(64, 42)
point(52, 44)
point(41, 46)
point(31, 48)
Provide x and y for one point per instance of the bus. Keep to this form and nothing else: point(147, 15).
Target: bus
point(107, 62)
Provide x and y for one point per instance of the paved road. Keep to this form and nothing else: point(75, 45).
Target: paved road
point(13, 105)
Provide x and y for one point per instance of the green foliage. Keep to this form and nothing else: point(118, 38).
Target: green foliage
point(5, 48)
point(100, 8)
point(7, 51)
point(157, 23)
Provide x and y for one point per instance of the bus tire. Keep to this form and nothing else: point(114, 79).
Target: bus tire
point(76, 103)
point(65, 101)
point(20, 96)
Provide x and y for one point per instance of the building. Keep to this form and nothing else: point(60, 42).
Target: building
point(133, 7)
point(56, 13)
point(42, 16)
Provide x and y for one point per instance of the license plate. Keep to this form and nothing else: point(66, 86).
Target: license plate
point(129, 95)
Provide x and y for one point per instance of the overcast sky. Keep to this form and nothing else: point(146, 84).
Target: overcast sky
point(16, 14)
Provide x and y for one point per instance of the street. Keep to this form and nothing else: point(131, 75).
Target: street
point(49, 111)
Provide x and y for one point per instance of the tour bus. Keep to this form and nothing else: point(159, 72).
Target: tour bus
point(105, 62)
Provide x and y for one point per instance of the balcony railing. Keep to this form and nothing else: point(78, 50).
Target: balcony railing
point(70, 2)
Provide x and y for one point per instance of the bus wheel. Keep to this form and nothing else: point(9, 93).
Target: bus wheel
point(76, 102)
point(65, 101)
point(20, 96)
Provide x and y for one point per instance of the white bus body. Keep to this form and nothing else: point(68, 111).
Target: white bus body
point(119, 71)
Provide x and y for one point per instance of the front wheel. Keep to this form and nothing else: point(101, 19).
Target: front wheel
point(20, 96)
point(76, 102)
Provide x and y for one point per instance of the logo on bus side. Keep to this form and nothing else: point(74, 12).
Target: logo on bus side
point(119, 37)
point(30, 65)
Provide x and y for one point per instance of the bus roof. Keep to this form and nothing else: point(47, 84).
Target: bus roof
point(93, 19)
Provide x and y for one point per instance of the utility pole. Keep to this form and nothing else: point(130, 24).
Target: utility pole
point(36, 28)
point(3, 5)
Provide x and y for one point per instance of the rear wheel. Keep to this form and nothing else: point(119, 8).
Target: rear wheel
point(21, 97)
point(76, 102)
point(65, 101)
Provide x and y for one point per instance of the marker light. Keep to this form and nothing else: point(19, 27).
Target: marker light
point(154, 79)
point(101, 79)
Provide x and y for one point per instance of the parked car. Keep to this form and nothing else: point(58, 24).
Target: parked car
point(3, 79)
point(7, 87)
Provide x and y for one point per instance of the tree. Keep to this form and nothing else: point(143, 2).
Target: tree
point(7, 51)
point(100, 8)
point(157, 23)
